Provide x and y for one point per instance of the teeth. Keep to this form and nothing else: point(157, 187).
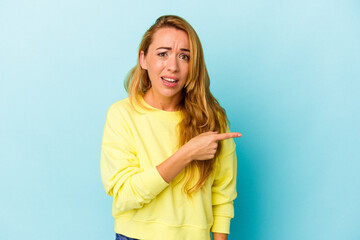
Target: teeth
point(169, 79)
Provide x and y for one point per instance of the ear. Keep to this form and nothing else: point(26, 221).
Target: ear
point(142, 60)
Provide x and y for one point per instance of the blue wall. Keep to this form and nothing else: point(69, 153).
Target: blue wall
point(286, 71)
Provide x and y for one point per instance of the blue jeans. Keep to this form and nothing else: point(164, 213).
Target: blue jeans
point(122, 237)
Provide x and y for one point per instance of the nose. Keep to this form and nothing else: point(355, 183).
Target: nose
point(172, 63)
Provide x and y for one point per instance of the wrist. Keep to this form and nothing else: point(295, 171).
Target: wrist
point(219, 236)
point(185, 154)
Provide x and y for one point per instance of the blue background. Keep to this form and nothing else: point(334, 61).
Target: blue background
point(287, 73)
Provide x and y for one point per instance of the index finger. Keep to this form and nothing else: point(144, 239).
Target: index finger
point(223, 136)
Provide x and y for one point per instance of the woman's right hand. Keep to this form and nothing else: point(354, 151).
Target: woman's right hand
point(201, 147)
point(204, 146)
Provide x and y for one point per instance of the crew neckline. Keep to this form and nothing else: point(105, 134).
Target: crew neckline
point(161, 114)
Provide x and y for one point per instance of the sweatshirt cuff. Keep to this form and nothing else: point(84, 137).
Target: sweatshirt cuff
point(151, 183)
point(221, 225)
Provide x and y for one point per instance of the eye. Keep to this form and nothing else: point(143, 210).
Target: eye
point(162, 54)
point(185, 57)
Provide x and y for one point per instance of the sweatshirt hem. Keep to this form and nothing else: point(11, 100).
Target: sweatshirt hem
point(149, 230)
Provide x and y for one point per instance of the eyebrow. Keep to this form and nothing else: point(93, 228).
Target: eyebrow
point(169, 48)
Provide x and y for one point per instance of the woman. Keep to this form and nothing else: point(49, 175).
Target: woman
point(165, 156)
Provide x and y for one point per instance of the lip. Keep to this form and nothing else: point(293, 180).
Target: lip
point(168, 83)
point(174, 78)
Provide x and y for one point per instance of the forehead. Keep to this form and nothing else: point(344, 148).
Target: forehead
point(170, 37)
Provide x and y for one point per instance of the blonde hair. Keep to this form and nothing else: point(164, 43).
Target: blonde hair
point(200, 111)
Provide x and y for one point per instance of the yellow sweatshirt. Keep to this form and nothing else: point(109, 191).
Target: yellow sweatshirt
point(144, 205)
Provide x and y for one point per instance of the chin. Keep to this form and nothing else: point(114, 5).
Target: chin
point(170, 94)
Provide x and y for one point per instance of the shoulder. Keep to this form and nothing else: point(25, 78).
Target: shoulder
point(120, 110)
point(122, 105)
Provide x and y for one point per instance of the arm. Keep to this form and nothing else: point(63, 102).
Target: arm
point(123, 178)
point(224, 188)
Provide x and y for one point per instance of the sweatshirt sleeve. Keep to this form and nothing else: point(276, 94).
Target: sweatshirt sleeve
point(122, 177)
point(224, 188)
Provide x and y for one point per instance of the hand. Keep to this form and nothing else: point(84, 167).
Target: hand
point(204, 146)
point(201, 147)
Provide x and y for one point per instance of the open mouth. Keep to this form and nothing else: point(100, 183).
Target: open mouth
point(169, 82)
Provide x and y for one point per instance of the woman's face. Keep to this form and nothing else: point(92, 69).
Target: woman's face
point(167, 63)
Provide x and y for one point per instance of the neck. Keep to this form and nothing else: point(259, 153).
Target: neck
point(169, 104)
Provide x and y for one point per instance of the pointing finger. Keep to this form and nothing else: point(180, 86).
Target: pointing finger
point(224, 136)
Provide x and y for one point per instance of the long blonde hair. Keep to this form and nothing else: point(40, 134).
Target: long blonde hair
point(200, 111)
